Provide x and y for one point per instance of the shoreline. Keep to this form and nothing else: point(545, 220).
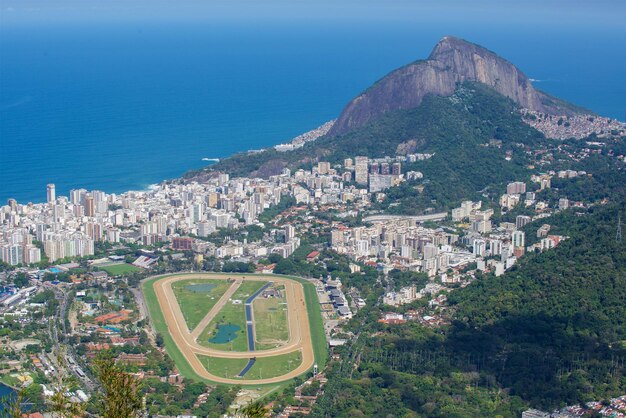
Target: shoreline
point(155, 186)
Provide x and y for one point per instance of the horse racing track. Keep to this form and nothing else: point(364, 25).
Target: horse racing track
point(241, 329)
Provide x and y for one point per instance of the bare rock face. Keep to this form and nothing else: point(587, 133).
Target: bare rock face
point(452, 61)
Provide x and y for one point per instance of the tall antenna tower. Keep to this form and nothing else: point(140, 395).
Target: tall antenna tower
point(618, 235)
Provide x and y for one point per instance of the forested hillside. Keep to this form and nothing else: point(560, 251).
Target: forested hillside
point(554, 327)
point(550, 332)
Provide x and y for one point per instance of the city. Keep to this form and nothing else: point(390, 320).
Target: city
point(323, 209)
point(78, 259)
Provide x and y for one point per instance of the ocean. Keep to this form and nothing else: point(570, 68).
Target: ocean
point(120, 107)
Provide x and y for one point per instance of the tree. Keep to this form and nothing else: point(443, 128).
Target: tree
point(159, 340)
point(62, 407)
point(254, 410)
point(20, 280)
point(121, 396)
point(275, 258)
point(11, 406)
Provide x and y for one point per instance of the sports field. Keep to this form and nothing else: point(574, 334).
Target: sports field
point(270, 319)
point(118, 269)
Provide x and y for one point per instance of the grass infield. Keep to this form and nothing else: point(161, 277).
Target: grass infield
point(195, 305)
point(271, 326)
point(263, 368)
point(233, 314)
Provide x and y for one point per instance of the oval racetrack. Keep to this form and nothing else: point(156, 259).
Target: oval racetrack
point(186, 340)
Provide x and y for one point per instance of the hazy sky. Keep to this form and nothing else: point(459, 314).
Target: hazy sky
point(606, 13)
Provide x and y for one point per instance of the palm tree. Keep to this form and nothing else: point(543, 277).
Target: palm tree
point(254, 410)
point(121, 397)
point(11, 406)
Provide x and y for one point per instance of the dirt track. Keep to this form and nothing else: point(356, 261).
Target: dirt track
point(299, 332)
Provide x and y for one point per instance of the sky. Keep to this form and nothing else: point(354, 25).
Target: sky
point(608, 13)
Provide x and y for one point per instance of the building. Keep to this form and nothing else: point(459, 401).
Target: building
point(12, 203)
point(182, 243)
point(509, 201)
point(323, 167)
point(482, 227)
point(360, 170)
point(12, 254)
point(336, 237)
point(290, 233)
point(522, 220)
point(543, 231)
point(479, 247)
point(517, 187)
point(51, 193)
point(90, 205)
point(379, 182)
point(518, 238)
point(205, 228)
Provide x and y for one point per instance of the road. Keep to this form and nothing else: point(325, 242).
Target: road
point(421, 218)
point(143, 311)
point(299, 331)
point(68, 359)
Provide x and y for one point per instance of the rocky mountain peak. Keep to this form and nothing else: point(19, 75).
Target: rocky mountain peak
point(452, 61)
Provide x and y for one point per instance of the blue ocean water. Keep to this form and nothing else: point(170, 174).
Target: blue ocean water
point(120, 107)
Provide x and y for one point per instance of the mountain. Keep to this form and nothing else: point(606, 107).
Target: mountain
point(456, 125)
point(451, 105)
point(452, 61)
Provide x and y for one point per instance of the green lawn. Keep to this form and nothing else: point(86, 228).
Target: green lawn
point(264, 367)
point(316, 323)
point(270, 321)
point(12, 381)
point(223, 367)
point(119, 269)
point(194, 302)
point(233, 314)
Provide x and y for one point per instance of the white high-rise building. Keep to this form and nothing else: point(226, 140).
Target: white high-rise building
point(522, 220)
point(360, 170)
point(51, 193)
point(205, 228)
point(430, 251)
point(77, 196)
point(290, 232)
point(479, 247)
point(518, 238)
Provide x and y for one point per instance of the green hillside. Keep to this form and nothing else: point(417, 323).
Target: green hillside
point(551, 332)
point(554, 328)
